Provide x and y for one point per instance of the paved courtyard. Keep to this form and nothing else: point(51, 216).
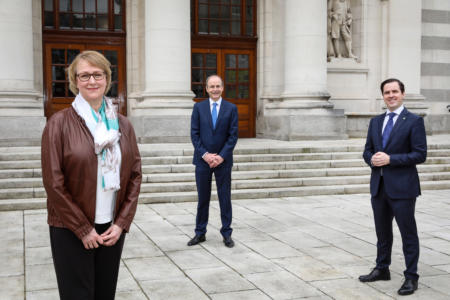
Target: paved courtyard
point(311, 247)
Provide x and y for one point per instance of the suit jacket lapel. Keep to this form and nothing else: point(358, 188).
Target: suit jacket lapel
point(207, 111)
point(398, 124)
point(379, 129)
point(223, 107)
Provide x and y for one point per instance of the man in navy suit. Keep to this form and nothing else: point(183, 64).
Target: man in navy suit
point(214, 133)
point(396, 143)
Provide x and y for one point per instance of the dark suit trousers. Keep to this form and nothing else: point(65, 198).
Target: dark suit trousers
point(384, 210)
point(81, 273)
point(203, 178)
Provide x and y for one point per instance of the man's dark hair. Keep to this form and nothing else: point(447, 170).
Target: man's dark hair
point(400, 84)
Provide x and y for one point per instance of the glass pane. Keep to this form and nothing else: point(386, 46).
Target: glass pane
point(230, 61)
point(111, 56)
point(214, 1)
point(214, 27)
point(197, 75)
point(203, 11)
point(77, 6)
point(214, 11)
point(113, 91)
point(243, 76)
point(77, 20)
point(90, 6)
point(48, 5)
point(243, 92)
point(236, 12)
point(48, 19)
point(236, 2)
point(58, 89)
point(58, 73)
point(236, 28)
point(118, 22)
point(71, 54)
point(102, 22)
point(243, 61)
point(117, 6)
point(102, 6)
point(249, 13)
point(197, 60)
point(230, 76)
point(58, 56)
point(69, 91)
point(230, 91)
point(249, 2)
point(203, 26)
point(114, 74)
point(249, 28)
point(225, 27)
point(90, 21)
point(209, 73)
point(225, 12)
point(64, 5)
point(225, 1)
point(197, 89)
point(64, 21)
point(211, 61)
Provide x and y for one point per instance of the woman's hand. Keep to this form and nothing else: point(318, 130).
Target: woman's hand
point(111, 235)
point(92, 240)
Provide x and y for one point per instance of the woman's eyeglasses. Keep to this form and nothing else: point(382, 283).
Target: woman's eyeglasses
point(86, 76)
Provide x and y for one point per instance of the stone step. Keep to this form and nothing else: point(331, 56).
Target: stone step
point(20, 164)
point(279, 192)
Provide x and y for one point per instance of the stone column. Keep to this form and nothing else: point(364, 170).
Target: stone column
point(162, 112)
point(21, 108)
point(403, 59)
point(302, 110)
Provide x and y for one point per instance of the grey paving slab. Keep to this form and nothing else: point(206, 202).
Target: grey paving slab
point(51, 294)
point(176, 288)
point(244, 295)
point(38, 256)
point(152, 268)
point(12, 287)
point(131, 295)
point(249, 263)
point(194, 258)
point(40, 277)
point(283, 285)
point(309, 269)
point(11, 264)
point(439, 283)
point(349, 289)
point(273, 249)
point(126, 281)
point(219, 280)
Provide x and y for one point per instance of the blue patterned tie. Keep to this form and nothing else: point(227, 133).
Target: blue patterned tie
point(214, 114)
point(388, 128)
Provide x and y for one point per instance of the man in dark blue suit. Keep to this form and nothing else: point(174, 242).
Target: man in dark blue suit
point(396, 143)
point(214, 133)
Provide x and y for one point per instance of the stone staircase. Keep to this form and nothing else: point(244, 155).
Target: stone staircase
point(272, 169)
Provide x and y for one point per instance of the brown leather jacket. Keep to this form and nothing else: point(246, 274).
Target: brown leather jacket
point(69, 172)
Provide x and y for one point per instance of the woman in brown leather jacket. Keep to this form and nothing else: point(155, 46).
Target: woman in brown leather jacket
point(91, 169)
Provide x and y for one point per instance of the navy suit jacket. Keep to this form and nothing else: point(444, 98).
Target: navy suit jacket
point(220, 140)
point(407, 147)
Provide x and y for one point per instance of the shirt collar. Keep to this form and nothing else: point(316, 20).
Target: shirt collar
point(218, 101)
point(397, 112)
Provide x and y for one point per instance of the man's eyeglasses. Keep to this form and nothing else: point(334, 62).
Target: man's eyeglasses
point(86, 76)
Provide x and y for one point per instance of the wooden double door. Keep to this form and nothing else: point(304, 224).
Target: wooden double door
point(237, 69)
point(58, 56)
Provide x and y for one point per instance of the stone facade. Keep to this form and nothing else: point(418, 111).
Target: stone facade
point(300, 95)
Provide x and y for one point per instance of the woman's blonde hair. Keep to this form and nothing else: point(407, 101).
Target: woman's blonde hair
point(95, 59)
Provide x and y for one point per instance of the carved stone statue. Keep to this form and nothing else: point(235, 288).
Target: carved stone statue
point(339, 27)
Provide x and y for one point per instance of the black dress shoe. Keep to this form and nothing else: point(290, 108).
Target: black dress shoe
point(197, 239)
point(408, 287)
point(228, 241)
point(375, 275)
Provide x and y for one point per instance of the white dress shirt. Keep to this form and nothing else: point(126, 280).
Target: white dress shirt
point(219, 102)
point(386, 118)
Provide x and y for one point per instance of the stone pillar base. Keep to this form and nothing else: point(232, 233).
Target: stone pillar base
point(162, 118)
point(300, 120)
point(21, 118)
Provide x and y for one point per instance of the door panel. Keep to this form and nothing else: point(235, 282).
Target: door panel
point(58, 57)
point(237, 69)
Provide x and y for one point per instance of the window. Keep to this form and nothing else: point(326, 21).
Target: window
point(95, 15)
point(223, 17)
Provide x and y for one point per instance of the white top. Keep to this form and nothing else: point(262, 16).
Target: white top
point(386, 118)
point(106, 200)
